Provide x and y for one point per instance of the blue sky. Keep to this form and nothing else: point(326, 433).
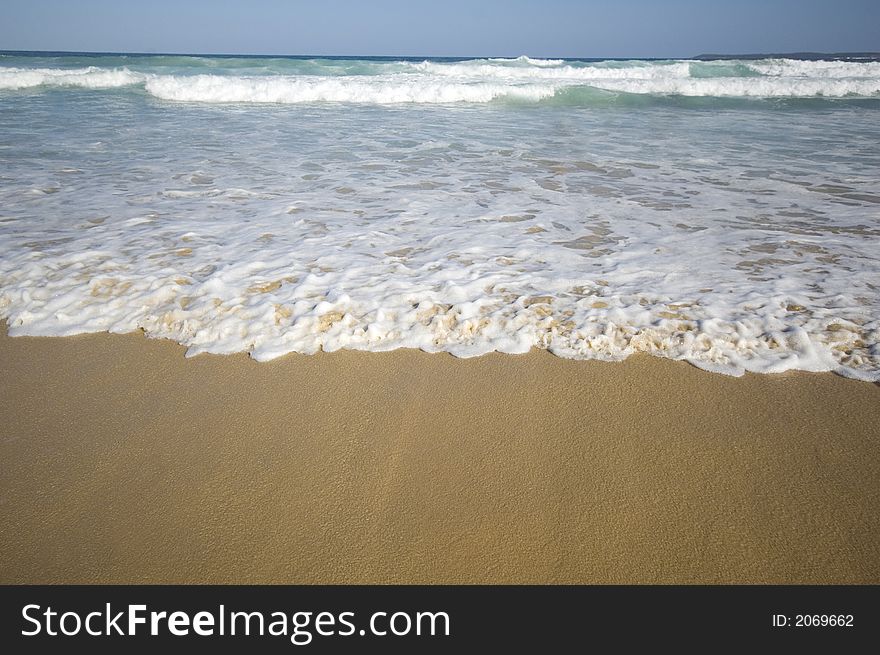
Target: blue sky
point(561, 28)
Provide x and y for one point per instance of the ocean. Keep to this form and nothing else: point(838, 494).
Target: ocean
point(724, 212)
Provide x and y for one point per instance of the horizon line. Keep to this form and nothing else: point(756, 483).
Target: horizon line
point(733, 55)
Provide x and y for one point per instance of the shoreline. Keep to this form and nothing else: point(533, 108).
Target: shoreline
point(124, 462)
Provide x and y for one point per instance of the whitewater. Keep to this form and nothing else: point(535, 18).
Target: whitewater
point(722, 212)
point(334, 80)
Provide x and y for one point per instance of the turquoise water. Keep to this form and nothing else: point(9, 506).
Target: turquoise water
point(722, 212)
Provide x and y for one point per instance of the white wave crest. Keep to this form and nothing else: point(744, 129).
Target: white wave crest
point(817, 69)
point(90, 78)
point(377, 90)
point(523, 59)
point(473, 81)
point(760, 87)
point(484, 69)
point(479, 87)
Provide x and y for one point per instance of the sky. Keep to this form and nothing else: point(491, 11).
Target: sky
point(539, 28)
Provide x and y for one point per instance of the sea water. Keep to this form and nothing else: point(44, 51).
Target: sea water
point(722, 212)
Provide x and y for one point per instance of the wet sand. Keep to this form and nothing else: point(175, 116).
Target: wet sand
point(123, 461)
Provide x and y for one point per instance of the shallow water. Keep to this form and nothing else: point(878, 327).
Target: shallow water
point(719, 212)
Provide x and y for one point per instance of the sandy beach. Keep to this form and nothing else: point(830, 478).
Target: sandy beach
point(124, 462)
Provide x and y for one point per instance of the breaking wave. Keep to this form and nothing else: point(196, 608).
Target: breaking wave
point(471, 81)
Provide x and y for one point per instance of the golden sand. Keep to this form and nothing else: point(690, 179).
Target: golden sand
point(122, 461)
